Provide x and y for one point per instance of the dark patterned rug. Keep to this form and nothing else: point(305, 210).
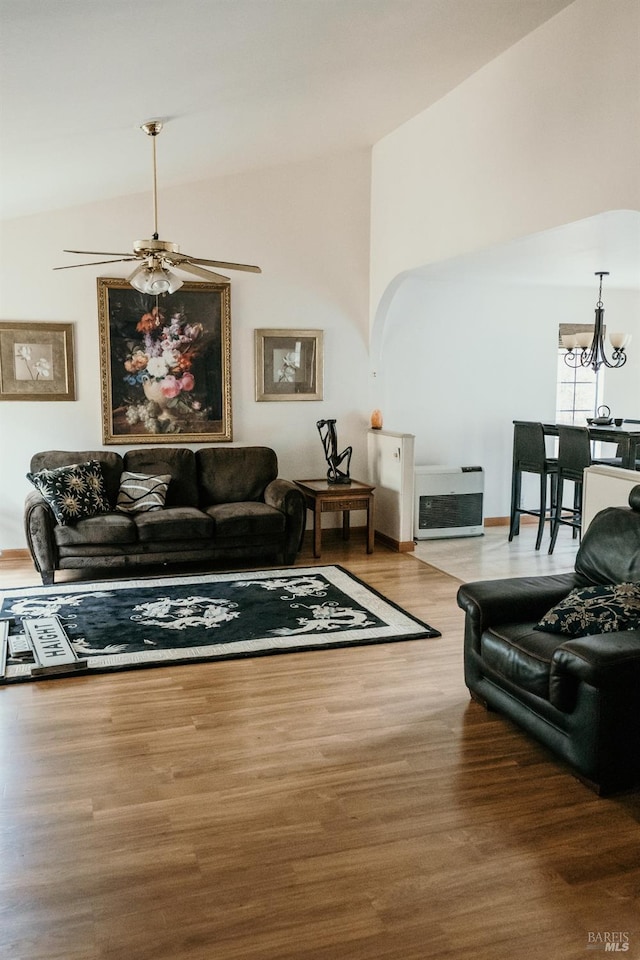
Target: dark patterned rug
point(122, 625)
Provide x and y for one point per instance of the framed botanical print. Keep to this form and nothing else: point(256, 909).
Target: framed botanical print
point(36, 361)
point(165, 363)
point(289, 364)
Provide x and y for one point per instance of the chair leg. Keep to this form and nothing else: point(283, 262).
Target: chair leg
point(514, 521)
point(577, 506)
point(577, 515)
point(557, 513)
point(543, 509)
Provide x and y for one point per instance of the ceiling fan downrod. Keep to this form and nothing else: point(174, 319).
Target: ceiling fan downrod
point(152, 128)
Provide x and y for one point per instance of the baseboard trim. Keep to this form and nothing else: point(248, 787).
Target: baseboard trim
point(505, 521)
point(400, 546)
point(18, 554)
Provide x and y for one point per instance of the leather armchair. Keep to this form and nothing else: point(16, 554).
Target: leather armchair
point(579, 696)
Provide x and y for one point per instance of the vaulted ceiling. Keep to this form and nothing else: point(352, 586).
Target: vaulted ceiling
point(242, 83)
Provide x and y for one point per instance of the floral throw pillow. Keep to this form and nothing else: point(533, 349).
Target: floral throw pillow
point(592, 610)
point(141, 493)
point(74, 492)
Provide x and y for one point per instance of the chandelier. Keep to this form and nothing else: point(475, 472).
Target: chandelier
point(587, 350)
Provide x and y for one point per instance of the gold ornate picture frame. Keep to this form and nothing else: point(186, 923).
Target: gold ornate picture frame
point(289, 364)
point(36, 361)
point(165, 363)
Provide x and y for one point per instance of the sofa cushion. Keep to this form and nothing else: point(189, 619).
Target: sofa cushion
point(140, 493)
point(234, 474)
point(521, 654)
point(173, 523)
point(73, 492)
point(593, 610)
point(111, 464)
point(247, 520)
point(106, 529)
point(178, 462)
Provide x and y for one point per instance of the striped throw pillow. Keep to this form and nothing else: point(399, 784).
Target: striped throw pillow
point(140, 493)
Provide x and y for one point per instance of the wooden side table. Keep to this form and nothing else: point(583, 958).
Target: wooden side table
point(324, 497)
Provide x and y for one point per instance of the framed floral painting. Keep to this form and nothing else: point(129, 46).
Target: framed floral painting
point(165, 363)
point(36, 361)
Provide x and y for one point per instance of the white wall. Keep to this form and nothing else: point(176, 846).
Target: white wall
point(473, 356)
point(546, 134)
point(306, 225)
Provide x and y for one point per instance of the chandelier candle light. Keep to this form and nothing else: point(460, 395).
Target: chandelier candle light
point(585, 350)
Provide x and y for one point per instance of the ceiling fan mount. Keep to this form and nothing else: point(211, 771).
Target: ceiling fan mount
point(159, 258)
point(152, 127)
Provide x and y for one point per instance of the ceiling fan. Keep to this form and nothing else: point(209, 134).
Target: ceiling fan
point(158, 258)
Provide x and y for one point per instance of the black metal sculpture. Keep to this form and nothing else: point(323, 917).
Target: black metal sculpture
point(329, 437)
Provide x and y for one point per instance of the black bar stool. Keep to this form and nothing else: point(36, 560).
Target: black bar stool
point(530, 456)
point(574, 455)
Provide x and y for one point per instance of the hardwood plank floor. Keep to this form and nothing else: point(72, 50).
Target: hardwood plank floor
point(347, 804)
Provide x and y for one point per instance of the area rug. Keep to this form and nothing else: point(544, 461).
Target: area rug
point(122, 625)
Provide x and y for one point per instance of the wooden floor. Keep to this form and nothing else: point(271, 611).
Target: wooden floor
point(335, 805)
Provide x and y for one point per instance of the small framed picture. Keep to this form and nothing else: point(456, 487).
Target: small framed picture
point(36, 361)
point(289, 364)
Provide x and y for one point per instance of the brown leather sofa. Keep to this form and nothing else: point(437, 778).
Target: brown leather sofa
point(578, 695)
point(222, 503)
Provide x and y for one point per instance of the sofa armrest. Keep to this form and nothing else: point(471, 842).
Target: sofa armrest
point(601, 660)
point(285, 496)
point(512, 600)
point(609, 662)
point(278, 494)
point(39, 525)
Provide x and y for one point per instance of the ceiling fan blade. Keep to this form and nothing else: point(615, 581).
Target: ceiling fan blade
point(94, 263)
point(199, 272)
point(184, 257)
point(100, 253)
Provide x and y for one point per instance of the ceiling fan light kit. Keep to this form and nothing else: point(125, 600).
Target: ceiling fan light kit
point(153, 278)
point(160, 258)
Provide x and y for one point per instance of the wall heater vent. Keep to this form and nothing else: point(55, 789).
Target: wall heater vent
point(448, 502)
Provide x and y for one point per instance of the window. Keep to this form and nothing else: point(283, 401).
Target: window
point(577, 389)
